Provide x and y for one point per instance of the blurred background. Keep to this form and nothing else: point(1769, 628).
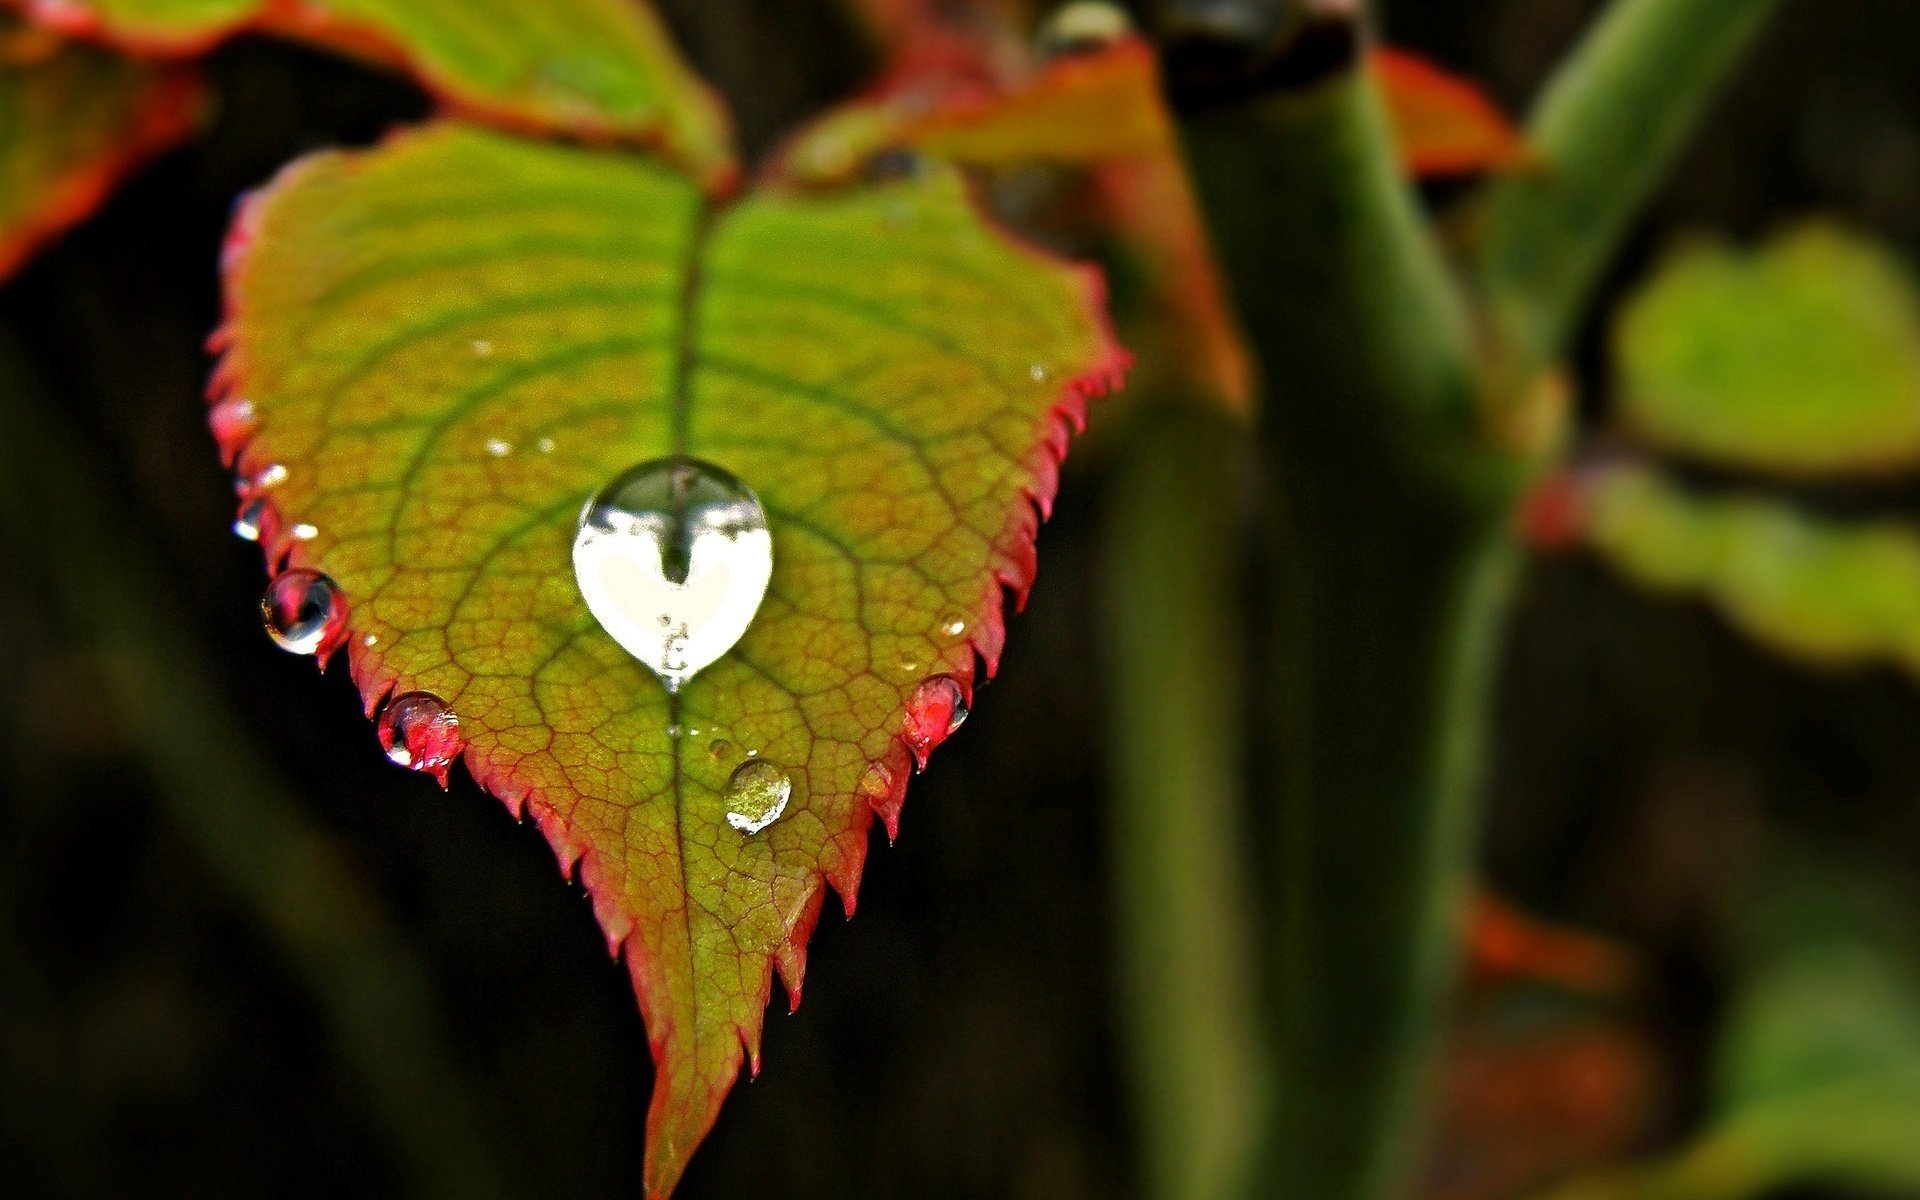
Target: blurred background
point(160, 1035)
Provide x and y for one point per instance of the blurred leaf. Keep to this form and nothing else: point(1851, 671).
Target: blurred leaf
point(1819, 1059)
point(73, 121)
point(602, 69)
point(1800, 358)
point(1824, 591)
point(452, 341)
point(1444, 125)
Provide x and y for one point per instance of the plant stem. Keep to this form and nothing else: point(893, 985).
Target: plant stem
point(1607, 127)
point(1172, 624)
point(1390, 582)
point(230, 805)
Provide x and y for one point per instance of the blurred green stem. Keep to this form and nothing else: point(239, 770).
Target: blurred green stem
point(1172, 622)
point(1607, 127)
point(1390, 579)
point(371, 991)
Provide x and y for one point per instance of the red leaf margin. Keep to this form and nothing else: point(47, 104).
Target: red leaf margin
point(1013, 567)
point(166, 113)
point(296, 21)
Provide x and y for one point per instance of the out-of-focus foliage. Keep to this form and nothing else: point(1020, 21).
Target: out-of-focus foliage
point(1801, 357)
point(73, 120)
point(604, 69)
point(1818, 1061)
point(1824, 591)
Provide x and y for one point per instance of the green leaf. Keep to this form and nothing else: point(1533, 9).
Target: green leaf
point(602, 69)
point(73, 120)
point(1819, 1056)
point(450, 342)
point(1827, 592)
point(1802, 358)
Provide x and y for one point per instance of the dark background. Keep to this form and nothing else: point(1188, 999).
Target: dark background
point(958, 1038)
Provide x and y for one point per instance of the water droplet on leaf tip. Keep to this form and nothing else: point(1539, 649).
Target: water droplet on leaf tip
point(418, 731)
point(672, 558)
point(304, 612)
point(937, 708)
point(270, 476)
point(756, 795)
point(250, 522)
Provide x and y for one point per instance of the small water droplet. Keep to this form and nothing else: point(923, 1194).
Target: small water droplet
point(270, 476)
point(233, 421)
point(673, 731)
point(482, 347)
point(418, 731)
point(372, 639)
point(1038, 372)
point(720, 749)
point(304, 612)
point(304, 532)
point(937, 708)
point(673, 558)
point(953, 624)
point(251, 521)
point(908, 664)
point(544, 445)
point(757, 795)
point(499, 447)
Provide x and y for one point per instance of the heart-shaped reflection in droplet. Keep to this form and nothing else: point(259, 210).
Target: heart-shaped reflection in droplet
point(673, 558)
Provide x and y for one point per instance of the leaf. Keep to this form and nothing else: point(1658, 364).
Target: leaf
point(1442, 124)
point(73, 121)
point(1105, 106)
point(1802, 358)
point(1819, 1057)
point(451, 341)
point(602, 69)
point(1826, 592)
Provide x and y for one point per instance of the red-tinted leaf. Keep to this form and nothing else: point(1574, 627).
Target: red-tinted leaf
point(450, 342)
point(1444, 125)
point(601, 69)
point(73, 121)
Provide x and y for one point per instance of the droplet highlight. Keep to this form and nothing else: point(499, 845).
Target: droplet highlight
point(304, 613)
point(672, 558)
point(756, 795)
point(250, 523)
point(418, 731)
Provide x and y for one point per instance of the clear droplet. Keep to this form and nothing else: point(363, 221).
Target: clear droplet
point(304, 613)
point(499, 447)
point(757, 795)
point(418, 731)
point(673, 558)
point(937, 708)
point(1038, 372)
point(544, 445)
point(305, 532)
point(953, 624)
point(720, 749)
point(251, 521)
point(270, 476)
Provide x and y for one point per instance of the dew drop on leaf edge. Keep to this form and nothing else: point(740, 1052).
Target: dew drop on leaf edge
point(937, 708)
point(672, 558)
point(418, 731)
point(304, 612)
point(756, 795)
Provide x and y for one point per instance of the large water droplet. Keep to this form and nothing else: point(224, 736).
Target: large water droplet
point(673, 558)
point(305, 613)
point(937, 708)
point(419, 731)
point(757, 795)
